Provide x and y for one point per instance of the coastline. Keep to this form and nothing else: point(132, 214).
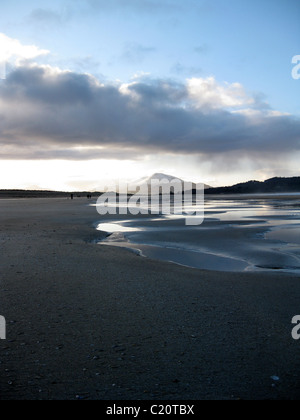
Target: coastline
point(92, 322)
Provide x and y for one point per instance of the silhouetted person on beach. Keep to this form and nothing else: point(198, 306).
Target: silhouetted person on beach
point(72, 196)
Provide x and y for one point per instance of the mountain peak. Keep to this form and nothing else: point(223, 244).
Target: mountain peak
point(159, 176)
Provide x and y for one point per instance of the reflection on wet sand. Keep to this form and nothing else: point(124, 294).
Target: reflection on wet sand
point(239, 233)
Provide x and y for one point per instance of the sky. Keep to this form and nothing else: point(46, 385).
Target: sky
point(94, 90)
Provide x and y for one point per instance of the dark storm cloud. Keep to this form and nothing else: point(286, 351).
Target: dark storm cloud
point(37, 85)
point(46, 114)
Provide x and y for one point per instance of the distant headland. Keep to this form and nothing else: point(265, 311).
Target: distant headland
point(270, 186)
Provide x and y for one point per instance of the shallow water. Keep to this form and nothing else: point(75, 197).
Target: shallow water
point(243, 233)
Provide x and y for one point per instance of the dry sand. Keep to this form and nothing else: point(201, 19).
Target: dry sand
point(96, 322)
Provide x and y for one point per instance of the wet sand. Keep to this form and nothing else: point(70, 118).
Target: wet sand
point(93, 322)
point(241, 234)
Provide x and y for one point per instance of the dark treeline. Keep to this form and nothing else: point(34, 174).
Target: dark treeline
point(273, 185)
point(44, 194)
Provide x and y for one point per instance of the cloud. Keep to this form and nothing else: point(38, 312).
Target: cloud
point(12, 50)
point(45, 17)
point(54, 114)
point(181, 69)
point(202, 49)
point(135, 53)
point(137, 7)
point(144, 6)
point(207, 93)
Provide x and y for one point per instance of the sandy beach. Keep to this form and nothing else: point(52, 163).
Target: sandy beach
point(96, 322)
